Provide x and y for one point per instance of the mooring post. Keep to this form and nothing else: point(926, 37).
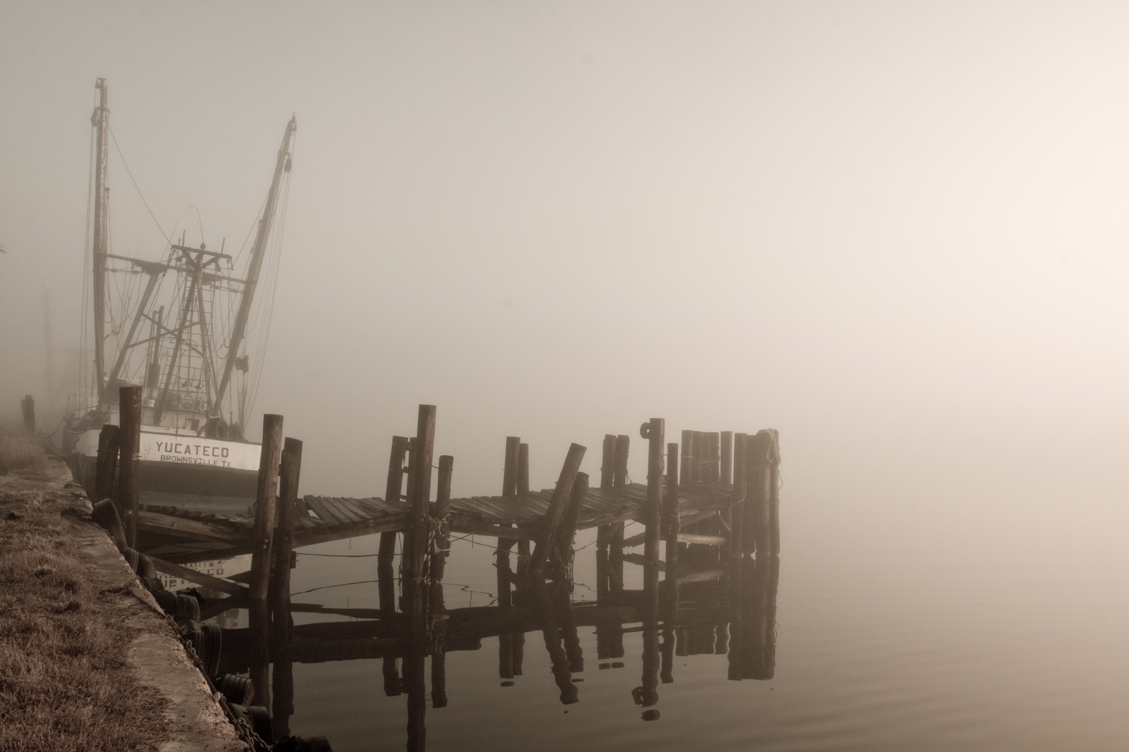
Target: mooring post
point(266, 499)
point(615, 534)
point(553, 515)
point(129, 445)
point(415, 576)
point(386, 556)
point(503, 572)
point(282, 678)
point(27, 404)
point(416, 537)
point(441, 517)
point(107, 466)
point(603, 533)
point(670, 513)
point(522, 553)
point(653, 432)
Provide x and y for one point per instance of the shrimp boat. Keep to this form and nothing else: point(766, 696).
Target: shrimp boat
point(179, 328)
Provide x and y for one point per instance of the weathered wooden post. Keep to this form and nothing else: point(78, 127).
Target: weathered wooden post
point(727, 457)
point(266, 498)
point(757, 492)
point(774, 495)
point(713, 458)
point(279, 588)
point(603, 533)
point(386, 556)
point(653, 432)
point(415, 575)
point(441, 517)
point(258, 612)
point(129, 447)
point(615, 536)
point(670, 513)
point(502, 557)
point(518, 638)
point(562, 566)
point(27, 404)
point(107, 464)
point(557, 503)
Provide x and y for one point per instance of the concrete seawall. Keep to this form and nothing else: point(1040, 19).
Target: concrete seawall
point(194, 718)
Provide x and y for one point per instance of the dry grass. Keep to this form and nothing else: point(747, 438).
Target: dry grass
point(19, 451)
point(64, 681)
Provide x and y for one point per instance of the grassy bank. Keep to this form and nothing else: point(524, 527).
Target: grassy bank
point(64, 680)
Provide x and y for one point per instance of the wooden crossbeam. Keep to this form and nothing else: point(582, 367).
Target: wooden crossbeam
point(207, 580)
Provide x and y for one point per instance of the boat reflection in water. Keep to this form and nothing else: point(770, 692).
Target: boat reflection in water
point(733, 615)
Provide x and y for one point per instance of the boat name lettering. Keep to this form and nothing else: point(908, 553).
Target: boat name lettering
point(202, 450)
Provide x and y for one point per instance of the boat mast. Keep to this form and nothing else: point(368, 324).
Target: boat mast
point(258, 250)
point(100, 120)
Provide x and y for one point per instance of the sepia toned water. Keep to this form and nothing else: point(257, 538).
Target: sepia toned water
point(927, 609)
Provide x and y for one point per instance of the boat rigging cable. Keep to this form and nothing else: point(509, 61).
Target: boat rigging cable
point(135, 186)
point(273, 264)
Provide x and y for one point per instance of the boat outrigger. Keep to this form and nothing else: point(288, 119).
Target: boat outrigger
point(184, 342)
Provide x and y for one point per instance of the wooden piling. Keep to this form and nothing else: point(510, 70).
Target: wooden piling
point(713, 458)
point(518, 638)
point(653, 432)
point(603, 533)
point(265, 501)
point(615, 531)
point(441, 521)
point(386, 556)
point(107, 465)
point(670, 514)
point(282, 678)
point(727, 457)
point(415, 575)
point(757, 492)
point(258, 609)
point(774, 495)
point(503, 572)
point(414, 571)
point(737, 497)
point(555, 512)
point(27, 405)
point(129, 455)
point(562, 569)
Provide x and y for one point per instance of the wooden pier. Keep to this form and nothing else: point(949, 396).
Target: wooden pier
point(712, 499)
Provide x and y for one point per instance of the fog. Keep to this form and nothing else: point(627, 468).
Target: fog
point(895, 232)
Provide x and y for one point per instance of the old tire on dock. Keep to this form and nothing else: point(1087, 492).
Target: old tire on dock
point(255, 716)
point(236, 689)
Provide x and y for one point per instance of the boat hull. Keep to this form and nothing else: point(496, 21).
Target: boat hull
point(184, 471)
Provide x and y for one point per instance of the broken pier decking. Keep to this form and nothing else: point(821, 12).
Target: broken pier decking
point(320, 519)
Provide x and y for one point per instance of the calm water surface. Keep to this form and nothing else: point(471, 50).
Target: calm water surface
point(937, 621)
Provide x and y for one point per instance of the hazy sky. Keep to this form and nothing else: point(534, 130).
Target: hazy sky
point(894, 231)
